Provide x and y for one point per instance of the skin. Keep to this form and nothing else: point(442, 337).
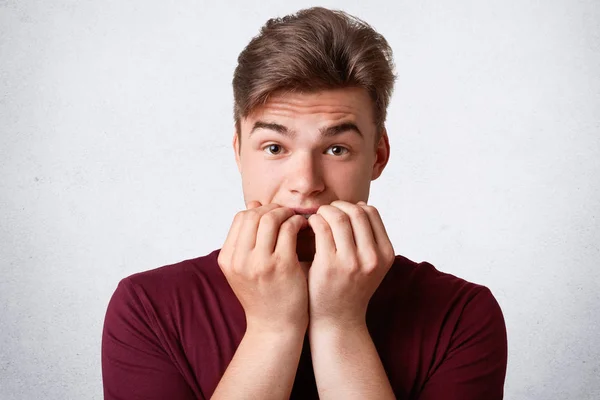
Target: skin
point(294, 275)
point(306, 173)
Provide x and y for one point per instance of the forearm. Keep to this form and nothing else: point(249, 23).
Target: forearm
point(264, 366)
point(347, 365)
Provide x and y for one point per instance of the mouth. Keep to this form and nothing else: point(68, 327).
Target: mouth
point(305, 212)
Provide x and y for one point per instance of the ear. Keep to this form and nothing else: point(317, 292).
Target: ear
point(236, 149)
point(382, 155)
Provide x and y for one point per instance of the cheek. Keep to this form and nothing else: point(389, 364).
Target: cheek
point(348, 173)
point(260, 179)
point(349, 180)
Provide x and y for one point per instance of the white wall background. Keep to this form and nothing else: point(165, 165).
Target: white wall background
point(115, 128)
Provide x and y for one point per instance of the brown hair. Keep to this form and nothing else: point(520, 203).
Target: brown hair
point(314, 49)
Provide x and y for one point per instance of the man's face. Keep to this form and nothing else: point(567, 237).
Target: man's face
point(304, 150)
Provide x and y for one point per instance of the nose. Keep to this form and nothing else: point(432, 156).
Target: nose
point(305, 176)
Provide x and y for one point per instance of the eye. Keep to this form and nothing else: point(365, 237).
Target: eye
point(273, 149)
point(338, 150)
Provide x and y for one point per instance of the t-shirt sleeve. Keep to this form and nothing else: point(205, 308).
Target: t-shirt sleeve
point(474, 367)
point(134, 363)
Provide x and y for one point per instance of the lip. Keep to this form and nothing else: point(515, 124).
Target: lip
point(305, 210)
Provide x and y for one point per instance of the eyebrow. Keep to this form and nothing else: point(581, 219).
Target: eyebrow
point(325, 132)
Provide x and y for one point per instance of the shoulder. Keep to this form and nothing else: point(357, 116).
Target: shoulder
point(170, 292)
point(458, 318)
point(441, 304)
point(467, 334)
point(165, 300)
point(425, 285)
point(457, 325)
point(153, 323)
point(176, 278)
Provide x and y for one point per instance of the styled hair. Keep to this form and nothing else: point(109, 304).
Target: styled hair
point(312, 50)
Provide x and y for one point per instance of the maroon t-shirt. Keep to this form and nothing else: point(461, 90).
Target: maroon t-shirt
point(170, 333)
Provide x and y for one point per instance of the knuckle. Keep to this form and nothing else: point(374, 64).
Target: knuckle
point(370, 258)
point(289, 227)
point(247, 216)
point(342, 218)
point(252, 271)
point(371, 210)
point(358, 212)
point(252, 274)
point(265, 269)
point(326, 207)
point(322, 226)
point(371, 264)
point(276, 260)
point(352, 264)
point(239, 216)
point(252, 215)
point(270, 219)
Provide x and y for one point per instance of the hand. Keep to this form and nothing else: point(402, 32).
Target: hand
point(353, 255)
point(260, 263)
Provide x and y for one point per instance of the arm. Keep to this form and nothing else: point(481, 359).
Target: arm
point(343, 278)
point(136, 365)
point(353, 254)
point(263, 367)
point(347, 365)
point(260, 263)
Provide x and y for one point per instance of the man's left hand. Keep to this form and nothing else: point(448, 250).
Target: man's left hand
point(353, 255)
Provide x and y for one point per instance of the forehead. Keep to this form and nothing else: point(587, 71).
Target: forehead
point(318, 108)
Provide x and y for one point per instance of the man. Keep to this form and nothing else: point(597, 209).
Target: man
point(306, 299)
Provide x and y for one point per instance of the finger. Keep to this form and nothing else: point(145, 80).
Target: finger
point(233, 233)
point(226, 252)
point(324, 243)
point(379, 232)
point(268, 229)
point(341, 229)
point(246, 238)
point(287, 238)
point(361, 225)
point(253, 204)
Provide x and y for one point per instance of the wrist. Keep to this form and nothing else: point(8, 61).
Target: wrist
point(337, 326)
point(284, 331)
point(336, 338)
point(267, 341)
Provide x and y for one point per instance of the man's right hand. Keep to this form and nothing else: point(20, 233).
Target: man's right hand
point(260, 263)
